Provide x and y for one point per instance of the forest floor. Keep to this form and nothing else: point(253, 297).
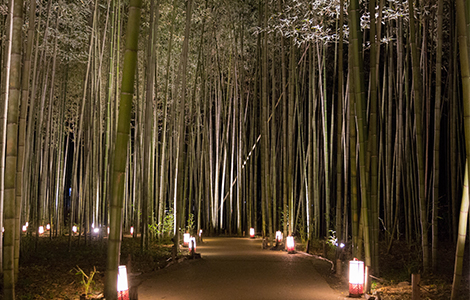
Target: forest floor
point(397, 266)
point(49, 270)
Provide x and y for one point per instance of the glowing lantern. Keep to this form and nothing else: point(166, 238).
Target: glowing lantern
point(108, 229)
point(278, 236)
point(25, 228)
point(186, 238)
point(356, 278)
point(122, 286)
point(48, 227)
point(96, 230)
point(200, 233)
point(290, 244)
point(41, 229)
point(74, 229)
point(27, 224)
point(252, 233)
point(132, 230)
point(192, 244)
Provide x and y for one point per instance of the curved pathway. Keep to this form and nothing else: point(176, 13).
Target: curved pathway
point(237, 268)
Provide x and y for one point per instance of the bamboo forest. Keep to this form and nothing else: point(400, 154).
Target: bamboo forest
point(344, 124)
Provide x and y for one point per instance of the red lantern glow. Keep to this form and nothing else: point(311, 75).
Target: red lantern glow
point(356, 278)
point(186, 238)
point(122, 286)
point(278, 236)
point(290, 244)
point(252, 233)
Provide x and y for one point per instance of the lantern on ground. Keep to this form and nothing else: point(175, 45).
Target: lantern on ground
point(252, 233)
point(48, 227)
point(132, 230)
point(186, 238)
point(192, 244)
point(200, 233)
point(278, 236)
point(25, 228)
point(122, 286)
point(108, 229)
point(96, 230)
point(74, 229)
point(290, 244)
point(356, 278)
point(41, 230)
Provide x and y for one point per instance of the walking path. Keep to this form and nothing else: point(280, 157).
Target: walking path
point(237, 268)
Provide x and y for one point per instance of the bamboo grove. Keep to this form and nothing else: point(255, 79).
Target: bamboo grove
point(328, 120)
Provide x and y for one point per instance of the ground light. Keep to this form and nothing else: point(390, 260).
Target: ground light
point(132, 230)
point(290, 244)
point(41, 229)
point(278, 236)
point(192, 244)
point(356, 278)
point(74, 229)
point(25, 228)
point(48, 227)
point(186, 238)
point(252, 233)
point(122, 286)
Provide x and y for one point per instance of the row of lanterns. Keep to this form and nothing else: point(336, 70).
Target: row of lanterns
point(290, 244)
point(356, 267)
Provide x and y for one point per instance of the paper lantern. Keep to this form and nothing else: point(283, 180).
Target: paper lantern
point(41, 229)
point(48, 227)
point(132, 230)
point(252, 233)
point(186, 238)
point(192, 244)
point(356, 278)
point(290, 244)
point(278, 236)
point(74, 229)
point(25, 228)
point(122, 286)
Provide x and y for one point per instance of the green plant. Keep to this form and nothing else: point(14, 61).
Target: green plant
point(190, 226)
point(168, 222)
point(332, 240)
point(87, 280)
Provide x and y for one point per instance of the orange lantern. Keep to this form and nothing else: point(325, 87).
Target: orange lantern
point(252, 233)
point(356, 278)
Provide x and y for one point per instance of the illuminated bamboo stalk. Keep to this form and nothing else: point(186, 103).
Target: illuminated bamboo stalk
point(127, 91)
